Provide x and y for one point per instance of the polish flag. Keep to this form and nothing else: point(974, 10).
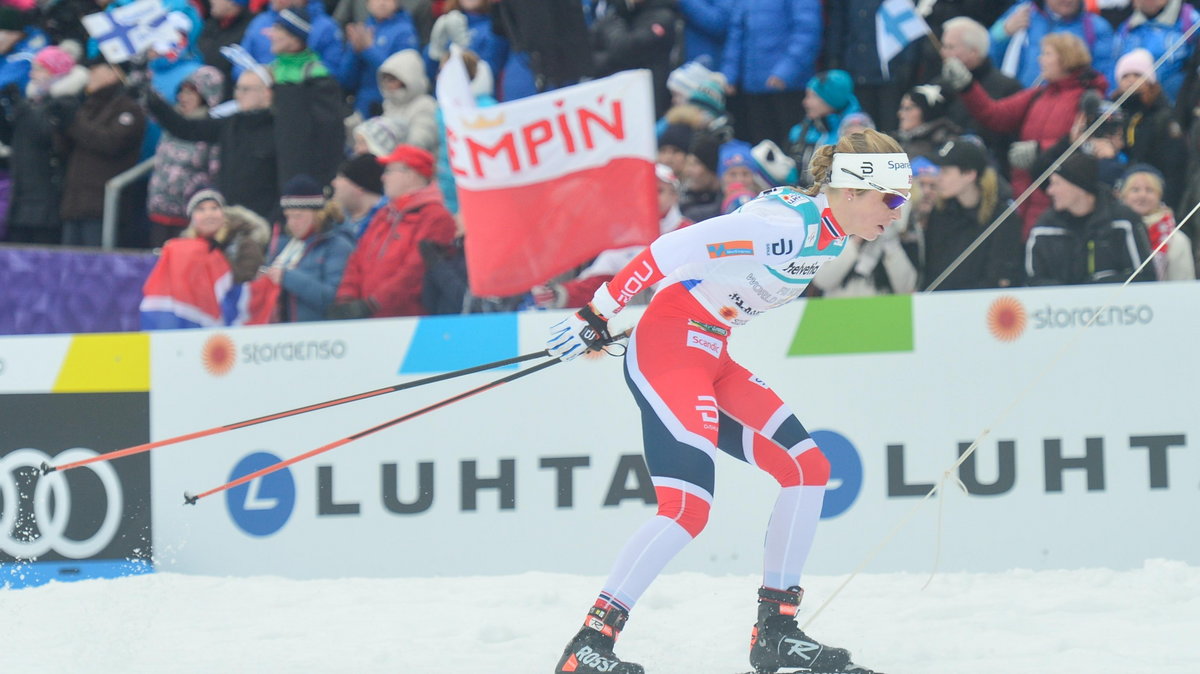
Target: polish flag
point(546, 183)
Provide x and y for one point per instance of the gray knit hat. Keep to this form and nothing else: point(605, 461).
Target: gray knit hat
point(206, 194)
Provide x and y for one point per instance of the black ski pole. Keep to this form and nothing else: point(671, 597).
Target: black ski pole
point(189, 499)
point(138, 449)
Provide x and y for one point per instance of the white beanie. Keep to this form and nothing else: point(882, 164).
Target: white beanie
point(1138, 62)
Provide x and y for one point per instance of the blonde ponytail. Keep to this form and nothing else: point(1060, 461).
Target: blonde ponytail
point(989, 195)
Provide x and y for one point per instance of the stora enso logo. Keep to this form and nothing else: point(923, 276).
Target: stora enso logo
point(219, 355)
point(1006, 318)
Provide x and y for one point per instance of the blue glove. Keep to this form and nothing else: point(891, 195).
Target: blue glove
point(575, 335)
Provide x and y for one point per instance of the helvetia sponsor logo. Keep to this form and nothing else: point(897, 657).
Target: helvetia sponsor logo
point(218, 355)
point(1007, 317)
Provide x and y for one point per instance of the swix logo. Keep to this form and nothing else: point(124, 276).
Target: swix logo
point(867, 168)
point(760, 382)
point(708, 411)
point(637, 283)
point(699, 340)
point(589, 657)
point(802, 648)
point(730, 248)
point(781, 247)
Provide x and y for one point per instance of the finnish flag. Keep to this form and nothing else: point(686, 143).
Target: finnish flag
point(129, 30)
point(897, 25)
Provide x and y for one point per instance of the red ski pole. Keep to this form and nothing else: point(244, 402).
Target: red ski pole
point(189, 499)
point(138, 449)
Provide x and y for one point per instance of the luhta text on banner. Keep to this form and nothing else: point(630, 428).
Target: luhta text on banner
point(546, 183)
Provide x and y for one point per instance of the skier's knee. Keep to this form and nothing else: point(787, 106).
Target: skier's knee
point(687, 510)
point(814, 467)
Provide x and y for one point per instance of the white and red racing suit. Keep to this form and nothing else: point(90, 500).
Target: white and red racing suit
point(694, 398)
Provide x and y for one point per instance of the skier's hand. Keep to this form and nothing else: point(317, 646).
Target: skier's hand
point(583, 331)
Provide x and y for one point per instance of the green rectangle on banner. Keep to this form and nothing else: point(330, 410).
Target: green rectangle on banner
point(881, 324)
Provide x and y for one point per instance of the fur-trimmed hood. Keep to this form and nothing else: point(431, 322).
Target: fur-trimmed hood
point(70, 84)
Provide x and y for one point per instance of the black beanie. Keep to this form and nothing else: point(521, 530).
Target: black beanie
point(676, 135)
point(302, 191)
point(706, 147)
point(1081, 170)
point(365, 171)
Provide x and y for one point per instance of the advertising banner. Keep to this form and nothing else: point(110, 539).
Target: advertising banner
point(64, 399)
point(1084, 458)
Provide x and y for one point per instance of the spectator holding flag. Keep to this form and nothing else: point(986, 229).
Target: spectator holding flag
point(248, 169)
point(1017, 36)
point(20, 40)
point(202, 278)
point(104, 138)
point(878, 43)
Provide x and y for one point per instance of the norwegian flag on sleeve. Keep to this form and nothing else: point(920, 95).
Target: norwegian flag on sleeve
point(192, 287)
point(546, 183)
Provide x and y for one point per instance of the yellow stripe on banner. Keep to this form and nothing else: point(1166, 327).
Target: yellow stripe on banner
point(106, 363)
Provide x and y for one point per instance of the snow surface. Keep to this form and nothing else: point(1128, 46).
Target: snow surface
point(1094, 621)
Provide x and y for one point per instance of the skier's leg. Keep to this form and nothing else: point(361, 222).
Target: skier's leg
point(757, 427)
point(673, 388)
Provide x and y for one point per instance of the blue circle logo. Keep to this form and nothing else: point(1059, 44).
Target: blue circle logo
point(845, 472)
point(263, 505)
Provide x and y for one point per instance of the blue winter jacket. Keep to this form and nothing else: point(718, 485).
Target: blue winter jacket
point(312, 284)
point(772, 37)
point(1156, 36)
point(358, 68)
point(486, 44)
point(14, 66)
point(706, 23)
point(325, 38)
point(1096, 33)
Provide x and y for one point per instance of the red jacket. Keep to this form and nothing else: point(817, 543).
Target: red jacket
point(1044, 114)
point(386, 266)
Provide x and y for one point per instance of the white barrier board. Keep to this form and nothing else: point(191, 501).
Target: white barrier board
point(1088, 459)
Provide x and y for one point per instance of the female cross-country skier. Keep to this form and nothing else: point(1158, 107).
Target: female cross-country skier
point(695, 399)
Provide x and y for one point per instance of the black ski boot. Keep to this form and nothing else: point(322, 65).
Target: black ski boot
point(591, 651)
point(778, 642)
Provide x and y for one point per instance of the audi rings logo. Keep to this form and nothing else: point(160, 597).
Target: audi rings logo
point(45, 528)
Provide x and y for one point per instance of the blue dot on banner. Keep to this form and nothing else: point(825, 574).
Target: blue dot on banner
point(845, 470)
point(262, 506)
point(445, 343)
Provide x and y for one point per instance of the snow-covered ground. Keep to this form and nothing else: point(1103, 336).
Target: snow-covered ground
point(1093, 621)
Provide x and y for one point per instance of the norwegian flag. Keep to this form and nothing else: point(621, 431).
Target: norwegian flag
point(192, 287)
point(830, 231)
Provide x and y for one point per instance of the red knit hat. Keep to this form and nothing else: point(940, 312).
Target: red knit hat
point(416, 158)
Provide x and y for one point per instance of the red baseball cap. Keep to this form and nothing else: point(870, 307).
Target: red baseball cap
point(418, 159)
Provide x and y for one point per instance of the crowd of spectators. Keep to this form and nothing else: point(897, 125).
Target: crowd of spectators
point(318, 118)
